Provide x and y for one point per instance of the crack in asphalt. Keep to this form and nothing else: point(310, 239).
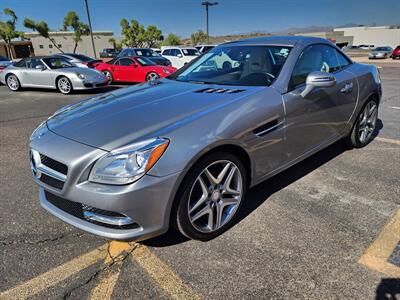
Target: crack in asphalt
point(39, 242)
point(115, 260)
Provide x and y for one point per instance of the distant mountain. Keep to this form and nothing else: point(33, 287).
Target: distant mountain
point(308, 29)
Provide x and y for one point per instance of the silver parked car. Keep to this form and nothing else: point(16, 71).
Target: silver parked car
point(380, 52)
point(53, 73)
point(184, 150)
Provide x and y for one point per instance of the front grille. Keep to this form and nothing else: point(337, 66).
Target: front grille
point(102, 84)
point(55, 183)
point(73, 208)
point(53, 164)
point(77, 209)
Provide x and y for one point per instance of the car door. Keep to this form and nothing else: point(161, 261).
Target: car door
point(126, 70)
point(39, 74)
point(319, 118)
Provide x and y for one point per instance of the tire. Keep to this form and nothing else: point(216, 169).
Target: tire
point(152, 76)
point(64, 85)
point(200, 199)
point(13, 83)
point(108, 75)
point(364, 128)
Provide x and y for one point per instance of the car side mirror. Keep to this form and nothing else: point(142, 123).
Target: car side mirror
point(39, 67)
point(318, 80)
point(180, 55)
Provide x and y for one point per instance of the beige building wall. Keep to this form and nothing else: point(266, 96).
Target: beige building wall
point(43, 46)
point(377, 36)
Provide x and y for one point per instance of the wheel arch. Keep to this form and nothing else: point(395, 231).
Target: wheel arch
point(61, 75)
point(232, 148)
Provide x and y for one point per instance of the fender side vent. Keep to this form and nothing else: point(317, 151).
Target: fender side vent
point(219, 91)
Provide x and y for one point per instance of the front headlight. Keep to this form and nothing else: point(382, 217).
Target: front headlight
point(166, 71)
point(81, 76)
point(128, 164)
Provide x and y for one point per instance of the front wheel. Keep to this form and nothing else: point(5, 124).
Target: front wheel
point(152, 76)
point(64, 85)
point(211, 196)
point(108, 75)
point(365, 126)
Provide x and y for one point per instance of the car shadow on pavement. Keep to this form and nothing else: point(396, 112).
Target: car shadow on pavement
point(108, 88)
point(260, 193)
point(388, 289)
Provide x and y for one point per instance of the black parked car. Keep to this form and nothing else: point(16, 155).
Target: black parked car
point(148, 53)
point(109, 52)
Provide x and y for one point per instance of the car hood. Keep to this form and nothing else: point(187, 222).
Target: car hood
point(114, 119)
point(78, 70)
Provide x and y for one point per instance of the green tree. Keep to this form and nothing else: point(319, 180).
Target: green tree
point(7, 30)
point(152, 36)
point(198, 37)
point(42, 28)
point(71, 21)
point(115, 44)
point(172, 40)
point(134, 33)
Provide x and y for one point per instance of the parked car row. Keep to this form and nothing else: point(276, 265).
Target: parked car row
point(67, 72)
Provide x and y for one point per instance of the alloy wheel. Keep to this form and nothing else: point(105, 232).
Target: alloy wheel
point(64, 85)
point(12, 82)
point(367, 122)
point(215, 196)
point(108, 75)
point(152, 76)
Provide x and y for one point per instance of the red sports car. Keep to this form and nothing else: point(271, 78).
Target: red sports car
point(133, 69)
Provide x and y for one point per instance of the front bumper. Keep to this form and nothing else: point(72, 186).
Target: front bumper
point(147, 201)
point(88, 84)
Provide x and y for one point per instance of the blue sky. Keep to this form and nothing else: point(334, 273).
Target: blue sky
point(230, 17)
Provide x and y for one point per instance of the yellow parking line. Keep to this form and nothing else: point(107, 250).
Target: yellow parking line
point(105, 288)
point(54, 276)
point(162, 275)
point(378, 253)
point(386, 140)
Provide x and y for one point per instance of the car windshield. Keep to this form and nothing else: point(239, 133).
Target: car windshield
point(382, 49)
point(57, 63)
point(81, 57)
point(191, 52)
point(143, 61)
point(146, 53)
point(237, 65)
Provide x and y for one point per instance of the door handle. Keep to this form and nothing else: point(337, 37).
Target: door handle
point(348, 88)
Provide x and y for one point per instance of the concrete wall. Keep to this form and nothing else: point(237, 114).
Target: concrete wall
point(43, 46)
point(378, 36)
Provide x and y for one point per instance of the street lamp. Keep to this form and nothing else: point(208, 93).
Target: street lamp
point(90, 28)
point(207, 4)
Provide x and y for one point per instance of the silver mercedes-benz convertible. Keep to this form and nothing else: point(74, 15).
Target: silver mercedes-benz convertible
point(52, 73)
point(183, 151)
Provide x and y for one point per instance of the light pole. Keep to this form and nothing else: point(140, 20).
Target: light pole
point(207, 4)
point(90, 28)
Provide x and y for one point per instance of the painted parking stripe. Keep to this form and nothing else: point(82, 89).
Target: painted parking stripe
point(54, 276)
point(377, 255)
point(162, 275)
point(395, 107)
point(105, 288)
point(387, 140)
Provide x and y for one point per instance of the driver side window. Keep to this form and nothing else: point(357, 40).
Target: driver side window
point(314, 58)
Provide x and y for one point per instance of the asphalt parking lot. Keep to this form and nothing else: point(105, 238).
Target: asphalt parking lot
point(326, 228)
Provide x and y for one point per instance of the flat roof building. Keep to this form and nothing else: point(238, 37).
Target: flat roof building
point(374, 35)
point(64, 40)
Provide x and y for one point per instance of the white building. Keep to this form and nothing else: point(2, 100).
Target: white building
point(64, 40)
point(377, 35)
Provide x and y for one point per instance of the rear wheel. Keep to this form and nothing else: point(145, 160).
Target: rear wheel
point(365, 126)
point(211, 196)
point(64, 85)
point(152, 76)
point(13, 82)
